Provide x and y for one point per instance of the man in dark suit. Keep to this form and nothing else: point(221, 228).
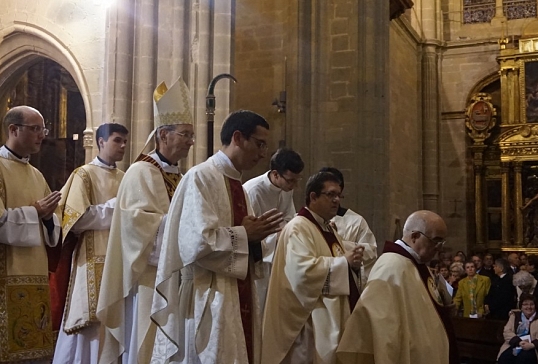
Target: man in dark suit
point(513, 259)
point(502, 296)
point(477, 260)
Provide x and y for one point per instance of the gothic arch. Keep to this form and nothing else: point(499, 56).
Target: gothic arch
point(23, 44)
point(479, 86)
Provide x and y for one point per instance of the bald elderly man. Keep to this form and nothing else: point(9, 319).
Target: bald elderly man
point(401, 310)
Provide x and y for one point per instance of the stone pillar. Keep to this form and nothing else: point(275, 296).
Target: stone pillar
point(499, 11)
point(143, 74)
point(479, 206)
point(118, 70)
point(505, 203)
point(518, 202)
point(373, 128)
point(430, 127)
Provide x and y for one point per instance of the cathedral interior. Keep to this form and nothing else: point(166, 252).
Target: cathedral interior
point(423, 104)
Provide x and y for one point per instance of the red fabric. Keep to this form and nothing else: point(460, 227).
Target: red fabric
point(239, 206)
point(59, 280)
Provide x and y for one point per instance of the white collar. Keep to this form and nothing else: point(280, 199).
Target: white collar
point(409, 250)
point(97, 162)
point(165, 166)
point(224, 163)
point(320, 220)
point(7, 154)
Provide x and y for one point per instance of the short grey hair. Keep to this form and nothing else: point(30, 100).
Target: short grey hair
point(523, 279)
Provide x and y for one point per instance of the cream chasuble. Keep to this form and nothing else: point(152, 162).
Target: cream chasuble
point(25, 321)
point(308, 289)
point(88, 185)
point(394, 320)
point(128, 280)
point(201, 323)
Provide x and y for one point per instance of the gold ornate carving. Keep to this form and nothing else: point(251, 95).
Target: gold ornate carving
point(480, 117)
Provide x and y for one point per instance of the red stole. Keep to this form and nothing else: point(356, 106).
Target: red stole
point(239, 211)
point(442, 311)
point(334, 246)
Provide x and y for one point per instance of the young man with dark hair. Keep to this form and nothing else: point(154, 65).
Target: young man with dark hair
point(354, 230)
point(313, 282)
point(214, 238)
point(87, 205)
point(274, 189)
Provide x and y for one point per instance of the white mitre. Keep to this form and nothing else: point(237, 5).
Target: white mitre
point(171, 106)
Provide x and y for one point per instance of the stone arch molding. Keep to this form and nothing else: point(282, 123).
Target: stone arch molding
point(491, 77)
point(23, 44)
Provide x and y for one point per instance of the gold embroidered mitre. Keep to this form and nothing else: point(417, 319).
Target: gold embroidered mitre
point(172, 105)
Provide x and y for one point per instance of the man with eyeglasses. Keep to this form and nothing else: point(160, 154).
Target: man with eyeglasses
point(274, 189)
point(354, 230)
point(313, 286)
point(136, 231)
point(27, 226)
point(87, 205)
point(401, 316)
point(215, 239)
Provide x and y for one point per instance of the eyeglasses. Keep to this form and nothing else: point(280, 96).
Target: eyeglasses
point(186, 135)
point(438, 243)
point(291, 181)
point(333, 195)
point(259, 143)
point(38, 129)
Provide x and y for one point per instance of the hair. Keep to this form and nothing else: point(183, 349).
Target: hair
point(462, 253)
point(316, 183)
point(458, 267)
point(469, 262)
point(286, 160)
point(336, 172)
point(17, 115)
point(526, 297)
point(522, 278)
point(503, 263)
point(106, 130)
point(532, 260)
point(435, 263)
point(243, 121)
point(157, 134)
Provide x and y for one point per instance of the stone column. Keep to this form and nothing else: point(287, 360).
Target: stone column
point(373, 126)
point(505, 203)
point(518, 202)
point(431, 114)
point(143, 74)
point(479, 206)
point(430, 127)
point(118, 71)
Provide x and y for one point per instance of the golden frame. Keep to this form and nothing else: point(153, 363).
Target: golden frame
point(523, 88)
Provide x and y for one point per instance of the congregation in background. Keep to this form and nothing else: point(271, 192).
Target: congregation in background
point(153, 266)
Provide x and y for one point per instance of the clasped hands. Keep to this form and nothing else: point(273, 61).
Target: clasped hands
point(46, 206)
point(259, 227)
point(354, 257)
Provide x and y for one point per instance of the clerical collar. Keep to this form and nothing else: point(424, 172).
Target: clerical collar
point(221, 159)
point(271, 184)
point(101, 163)
point(7, 153)
point(320, 220)
point(410, 250)
point(105, 164)
point(162, 158)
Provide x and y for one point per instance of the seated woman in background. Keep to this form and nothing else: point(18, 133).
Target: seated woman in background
point(520, 334)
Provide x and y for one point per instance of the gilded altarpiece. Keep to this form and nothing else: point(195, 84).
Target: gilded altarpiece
point(505, 157)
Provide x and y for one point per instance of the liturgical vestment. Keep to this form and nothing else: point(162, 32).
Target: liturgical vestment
point(396, 319)
point(307, 302)
point(86, 210)
point(25, 318)
point(129, 274)
point(214, 318)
